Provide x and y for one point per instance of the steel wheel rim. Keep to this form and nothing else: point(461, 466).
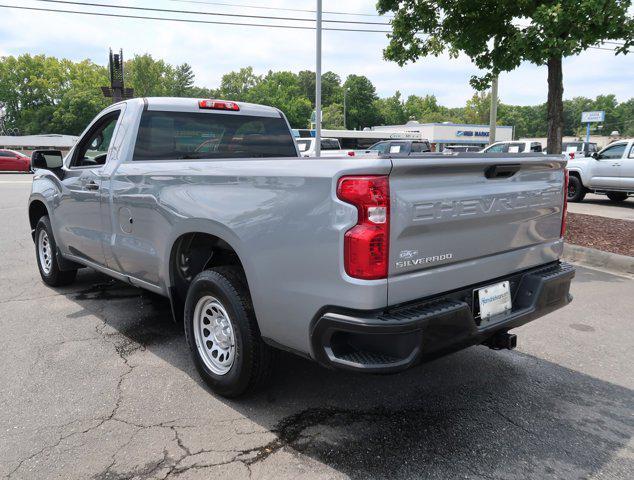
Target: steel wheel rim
point(572, 190)
point(45, 252)
point(213, 332)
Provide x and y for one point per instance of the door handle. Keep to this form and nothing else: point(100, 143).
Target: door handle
point(92, 185)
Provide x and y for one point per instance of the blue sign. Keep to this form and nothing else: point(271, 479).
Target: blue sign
point(472, 133)
point(598, 116)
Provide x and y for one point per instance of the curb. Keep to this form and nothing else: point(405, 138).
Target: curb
point(592, 257)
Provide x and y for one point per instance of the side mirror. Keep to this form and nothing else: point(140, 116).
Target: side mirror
point(47, 159)
point(596, 156)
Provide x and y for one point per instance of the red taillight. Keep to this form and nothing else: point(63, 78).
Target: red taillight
point(366, 245)
point(218, 105)
point(565, 209)
point(351, 154)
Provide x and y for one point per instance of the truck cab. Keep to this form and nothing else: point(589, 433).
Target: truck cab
point(514, 146)
point(400, 147)
point(607, 172)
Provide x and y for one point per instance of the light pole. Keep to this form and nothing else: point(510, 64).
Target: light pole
point(345, 109)
point(494, 110)
point(318, 85)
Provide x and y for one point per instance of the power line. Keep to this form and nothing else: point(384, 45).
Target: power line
point(260, 7)
point(189, 20)
point(190, 12)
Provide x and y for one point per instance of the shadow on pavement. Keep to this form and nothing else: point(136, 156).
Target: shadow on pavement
point(473, 414)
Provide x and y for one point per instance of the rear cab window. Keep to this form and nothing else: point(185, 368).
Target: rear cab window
point(165, 135)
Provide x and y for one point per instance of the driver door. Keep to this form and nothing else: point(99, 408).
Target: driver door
point(606, 170)
point(81, 229)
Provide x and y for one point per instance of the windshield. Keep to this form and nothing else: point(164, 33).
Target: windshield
point(185, 135)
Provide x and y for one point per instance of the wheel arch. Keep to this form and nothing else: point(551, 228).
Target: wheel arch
point(37, 210)
point(193, 249)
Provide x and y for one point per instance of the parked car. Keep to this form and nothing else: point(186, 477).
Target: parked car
point(330, 147)
point(461, 148)
point(578, 149)
point(608, 172)
point(370, 264)
point(513, 146)
point(12, 161)
point(402, 147)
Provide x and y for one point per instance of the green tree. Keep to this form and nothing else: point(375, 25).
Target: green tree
point(361, 109)
point(477, 109)
point(236, 85)
point(498, 36)
point(391, 110)
point(180, 81)
point(148, 77)
point(332, 116)
point(282, 90)
point(331, 90)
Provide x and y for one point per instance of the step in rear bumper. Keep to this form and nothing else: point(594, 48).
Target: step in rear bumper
point(396, 338)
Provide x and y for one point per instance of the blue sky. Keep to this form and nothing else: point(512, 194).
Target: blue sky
point(212, 50)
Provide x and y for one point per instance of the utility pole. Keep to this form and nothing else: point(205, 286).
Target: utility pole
point(116, 90)
point(345, 110)
point(318, 84)
point(494, 110)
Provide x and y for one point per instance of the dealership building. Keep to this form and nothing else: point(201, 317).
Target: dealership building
point(442, 134)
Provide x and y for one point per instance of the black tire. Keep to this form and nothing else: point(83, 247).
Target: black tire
point(576, 191)
point(617, 196)
point(53, 275)
point(252, 363)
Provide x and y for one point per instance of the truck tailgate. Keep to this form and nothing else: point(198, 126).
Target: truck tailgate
point(459, 220)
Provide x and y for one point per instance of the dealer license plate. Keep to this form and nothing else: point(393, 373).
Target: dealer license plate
point(494, 300)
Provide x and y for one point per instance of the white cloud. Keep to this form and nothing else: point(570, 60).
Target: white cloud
point(213, 50)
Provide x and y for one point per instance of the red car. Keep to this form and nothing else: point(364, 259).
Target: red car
point(14, 161)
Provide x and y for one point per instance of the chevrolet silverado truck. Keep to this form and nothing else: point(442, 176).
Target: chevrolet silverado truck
point(367, 264)
point(608, 172)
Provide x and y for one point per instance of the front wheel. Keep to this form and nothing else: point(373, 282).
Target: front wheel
point(46, 255)
point(576, 192)
point(617, 196)
point(222, 333)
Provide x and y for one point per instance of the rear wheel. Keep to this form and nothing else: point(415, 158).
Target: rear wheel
point(222, 333)
point(46, 255)
point(576, 192)
point(617, 196)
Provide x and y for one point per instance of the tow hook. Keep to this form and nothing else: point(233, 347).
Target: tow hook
point(502, 341)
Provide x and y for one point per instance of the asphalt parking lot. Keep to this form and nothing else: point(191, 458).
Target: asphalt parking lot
point(602, 206)
point(96, 382)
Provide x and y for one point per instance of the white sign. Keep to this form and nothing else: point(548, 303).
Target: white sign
point(587, 117)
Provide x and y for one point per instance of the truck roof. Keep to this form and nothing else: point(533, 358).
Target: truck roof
point(179, 104)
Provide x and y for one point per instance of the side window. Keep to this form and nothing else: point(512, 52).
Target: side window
point(418, 147)
point(536, 147)
point(92, 150)
point(631, 155)
point(592, 147)
point(4, 153)
point(398, 147)
point(499, 148)
point(380, 147)
point(615, 151)
point(515, 148)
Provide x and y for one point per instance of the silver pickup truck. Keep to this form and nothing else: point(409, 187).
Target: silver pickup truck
point(367, 264)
